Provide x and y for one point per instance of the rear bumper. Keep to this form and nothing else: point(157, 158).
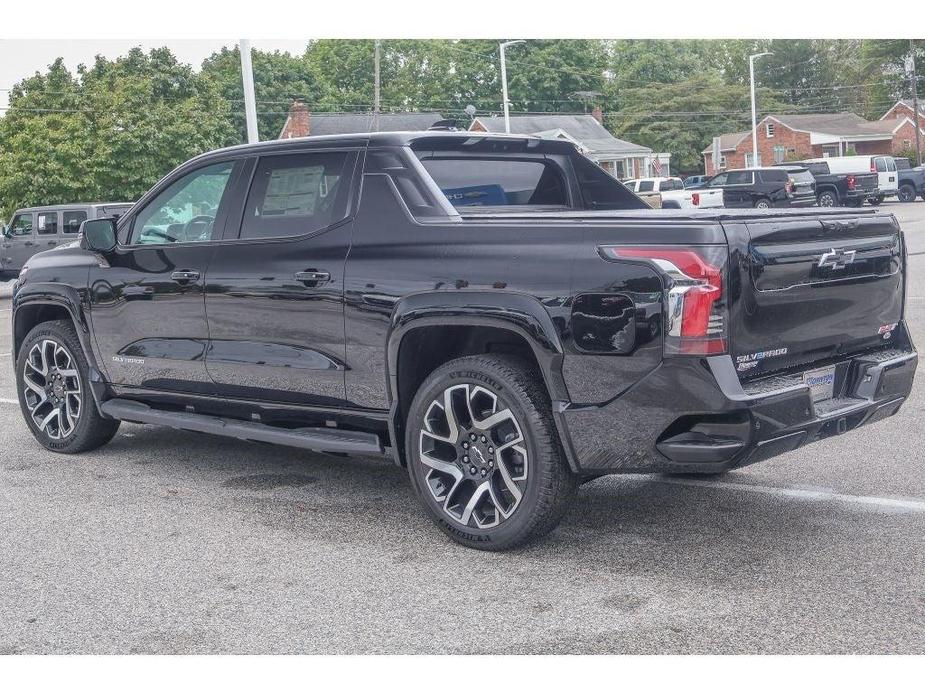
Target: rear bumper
point(693, 415)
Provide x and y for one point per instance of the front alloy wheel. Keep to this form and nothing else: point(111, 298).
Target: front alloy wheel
point(52, 389)
point(53, 383)
point(474, 449)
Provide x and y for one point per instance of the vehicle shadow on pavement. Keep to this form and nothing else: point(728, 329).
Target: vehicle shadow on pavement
point(617, 521)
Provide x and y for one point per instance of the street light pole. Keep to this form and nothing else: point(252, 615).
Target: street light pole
point(751, 77)
point(250, 104)
point(507, 116)
point(913, 78)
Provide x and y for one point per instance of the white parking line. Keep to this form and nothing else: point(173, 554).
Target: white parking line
point(8, 401)
point(806, 494)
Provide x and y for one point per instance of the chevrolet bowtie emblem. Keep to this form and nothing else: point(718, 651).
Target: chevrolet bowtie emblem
point(836, 259)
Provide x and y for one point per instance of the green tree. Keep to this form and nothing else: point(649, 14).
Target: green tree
point(884, 71)
point(109, 132)
point(279, 78)
point(683, 117)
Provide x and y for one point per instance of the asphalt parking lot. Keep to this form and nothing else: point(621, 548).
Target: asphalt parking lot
point(171, 542)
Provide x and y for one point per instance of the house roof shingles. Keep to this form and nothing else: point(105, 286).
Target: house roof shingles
point(583, 128)
point(344, 123)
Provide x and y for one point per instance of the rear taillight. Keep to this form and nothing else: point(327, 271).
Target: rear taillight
point(791, 186)
point(873, 167)
point(696, 310)
point(695, 199)
point(852, 182)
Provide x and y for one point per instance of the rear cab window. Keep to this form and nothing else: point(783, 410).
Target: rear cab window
point(497, 182)
point(483, 174)
point(818, 168)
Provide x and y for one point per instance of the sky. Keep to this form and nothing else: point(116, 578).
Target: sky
point(22, 58)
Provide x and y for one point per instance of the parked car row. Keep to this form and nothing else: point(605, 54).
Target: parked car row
point(669, 192)
point(827, 182)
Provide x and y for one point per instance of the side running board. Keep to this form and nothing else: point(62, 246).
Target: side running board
point(313, 439)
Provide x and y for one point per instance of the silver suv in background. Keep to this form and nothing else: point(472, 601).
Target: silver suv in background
point(35, 229)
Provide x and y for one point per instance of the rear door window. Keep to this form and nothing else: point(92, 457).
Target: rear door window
point(818, 168)
point(880, 163)
point(494, 182)
point(71, 220)
point(297, 194)
point(47, 223)
point(738, 178)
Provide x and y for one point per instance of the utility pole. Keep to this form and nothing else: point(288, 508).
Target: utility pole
point(507, 116)
point(751, 76)
point(376, 104)
point(915, 101)
point(250, 103)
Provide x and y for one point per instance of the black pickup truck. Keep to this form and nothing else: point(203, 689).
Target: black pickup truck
point(834, 190)
point(497, 313)
point(911, 184)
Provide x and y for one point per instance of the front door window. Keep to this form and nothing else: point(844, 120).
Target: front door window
point(185, 211)
point(22, 225)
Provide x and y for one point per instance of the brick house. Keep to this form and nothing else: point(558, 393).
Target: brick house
point(788, 137)
point(302, 123)
point(619, 158)
point(903, 109)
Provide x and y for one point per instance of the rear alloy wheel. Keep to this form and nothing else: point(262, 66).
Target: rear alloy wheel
point(826, 199)
point(52, 377)
point(763, 204)
point(484, 456)
point(906, 193)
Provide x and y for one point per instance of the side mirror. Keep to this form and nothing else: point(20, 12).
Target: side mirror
point(6, 232)
point(98, 235)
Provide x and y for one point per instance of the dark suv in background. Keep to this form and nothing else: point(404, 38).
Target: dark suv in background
point(763, 188)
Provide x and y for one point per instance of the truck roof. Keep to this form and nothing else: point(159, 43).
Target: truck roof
point(438, 138)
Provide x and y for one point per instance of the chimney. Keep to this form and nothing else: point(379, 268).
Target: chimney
point(298, 123)
point(598, 115)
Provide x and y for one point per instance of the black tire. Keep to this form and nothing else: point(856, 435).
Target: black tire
point(549, 486)
point(876, 199)
point(762, 204)
point(827, 198)
point(88, 429)
point(906, 193)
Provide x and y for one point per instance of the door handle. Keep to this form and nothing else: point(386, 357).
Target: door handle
point(185, 275)
point(316, 276)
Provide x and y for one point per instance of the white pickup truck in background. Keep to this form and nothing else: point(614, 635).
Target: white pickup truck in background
point(668, 192)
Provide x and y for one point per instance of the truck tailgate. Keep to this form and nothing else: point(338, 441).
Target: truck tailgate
point(813, 289)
